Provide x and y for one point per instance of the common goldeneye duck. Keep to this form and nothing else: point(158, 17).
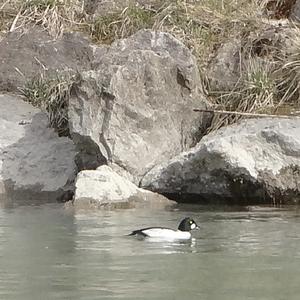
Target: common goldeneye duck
point(182, 233)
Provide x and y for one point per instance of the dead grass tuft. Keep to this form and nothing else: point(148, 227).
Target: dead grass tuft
point(279, 9)
point(289, 73)
point(56, 16)
point(114, 26)
point(255, 92)
point(51, 94)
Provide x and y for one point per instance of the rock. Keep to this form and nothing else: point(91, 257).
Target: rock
point(224, 69)
point(28, 54)
point(256, 161)
point(104, 188)
point(137, 106)
point(35, 164)
point(102, 8)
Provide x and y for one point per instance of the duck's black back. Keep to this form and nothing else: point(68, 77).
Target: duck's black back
point(140, 231)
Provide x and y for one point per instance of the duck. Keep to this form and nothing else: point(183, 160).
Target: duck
point(182, 233)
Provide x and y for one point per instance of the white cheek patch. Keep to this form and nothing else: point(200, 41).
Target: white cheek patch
point(193, 226)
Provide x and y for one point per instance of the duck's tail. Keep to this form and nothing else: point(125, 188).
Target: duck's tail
point(132, 233)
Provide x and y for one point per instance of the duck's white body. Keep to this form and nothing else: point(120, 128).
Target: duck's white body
point(164, 233)
point(182, 233)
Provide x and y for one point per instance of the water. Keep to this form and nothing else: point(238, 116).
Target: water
point(48, 253)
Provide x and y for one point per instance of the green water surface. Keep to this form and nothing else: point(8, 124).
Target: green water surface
point(241, 253)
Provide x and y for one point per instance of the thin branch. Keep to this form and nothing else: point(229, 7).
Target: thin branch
point(236, 113)
point(14, 23)
point(3, 5)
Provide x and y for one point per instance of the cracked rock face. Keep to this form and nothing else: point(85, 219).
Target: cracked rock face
point(35, 164)
point(256, 161)
point(136, 107)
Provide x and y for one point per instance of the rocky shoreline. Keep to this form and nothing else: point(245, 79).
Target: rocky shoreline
point(132, 136)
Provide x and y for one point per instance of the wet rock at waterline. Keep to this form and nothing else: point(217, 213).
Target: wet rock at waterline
point(136, 106)
point(255, 161)
point(25, 55)
point(104, 188)
point(35, 164)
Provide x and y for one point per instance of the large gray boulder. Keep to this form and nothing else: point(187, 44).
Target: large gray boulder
point(34, 52)
point(104, 188)
point(256, 161)
point(135, 109)
point(35, 164)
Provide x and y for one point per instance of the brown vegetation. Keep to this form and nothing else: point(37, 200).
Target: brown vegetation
point(269, 75)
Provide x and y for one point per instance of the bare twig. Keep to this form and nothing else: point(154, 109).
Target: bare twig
point(4, 4)
point(13, 25)
point(236, 113)
point(18, 70)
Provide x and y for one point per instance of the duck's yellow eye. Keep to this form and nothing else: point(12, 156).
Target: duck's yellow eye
point(191, 222)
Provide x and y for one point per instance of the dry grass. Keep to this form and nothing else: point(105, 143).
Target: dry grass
point(289, 73)
point(203, 26)
point(279, 9)
point(56, 16)
point(113, 26)
point(52, 96)
point(255, 92)
point(269, 81)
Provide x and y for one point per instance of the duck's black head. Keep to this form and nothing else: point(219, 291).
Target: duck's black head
point(187, 224)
